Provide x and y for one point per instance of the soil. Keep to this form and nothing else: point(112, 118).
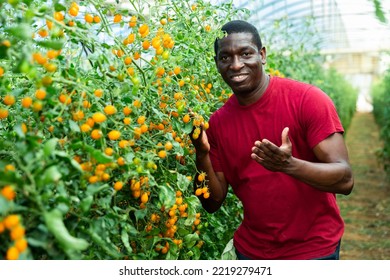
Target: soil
point(366, 211)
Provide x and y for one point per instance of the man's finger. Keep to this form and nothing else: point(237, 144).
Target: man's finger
point(285, 138)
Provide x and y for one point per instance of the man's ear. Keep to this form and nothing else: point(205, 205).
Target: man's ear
point(263, 54)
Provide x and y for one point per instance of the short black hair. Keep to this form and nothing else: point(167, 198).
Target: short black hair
point(240, 26)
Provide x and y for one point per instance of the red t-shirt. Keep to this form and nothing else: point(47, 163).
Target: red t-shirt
point(284, 218)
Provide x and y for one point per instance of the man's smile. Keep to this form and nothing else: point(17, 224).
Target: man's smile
point(238, 78)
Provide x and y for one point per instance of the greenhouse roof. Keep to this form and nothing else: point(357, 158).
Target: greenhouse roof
point(342, 25)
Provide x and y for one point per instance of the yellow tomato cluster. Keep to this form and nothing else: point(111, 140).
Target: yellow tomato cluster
point(121, 112)
point(202, 188)
point(12, 224)
point(275, 72)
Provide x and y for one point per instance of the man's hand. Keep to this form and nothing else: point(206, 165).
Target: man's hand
point(201, 143)
point(199, 138)
point(272, 157)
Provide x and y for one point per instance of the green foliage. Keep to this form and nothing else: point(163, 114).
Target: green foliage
point(381, 109)
point(73, 199)
point(379, 12)
point(220, 227)
point(343, 94)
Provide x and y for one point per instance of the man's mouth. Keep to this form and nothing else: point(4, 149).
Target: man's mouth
point(238, 78)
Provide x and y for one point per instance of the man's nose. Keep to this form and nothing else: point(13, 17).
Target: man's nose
point(236, 63)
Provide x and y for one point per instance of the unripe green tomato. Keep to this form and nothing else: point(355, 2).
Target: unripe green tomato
point(13, 2)
point(32, 74)
point(150, 165)
point(165, 55)
point(29, 14)
point(24, 67)
point(190, 253)
point(137, 161)
point(180, 108)
point(136, 81)
point(121, 77)
point(140, 169)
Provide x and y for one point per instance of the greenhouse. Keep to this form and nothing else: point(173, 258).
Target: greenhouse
point(105, 107)
point(348, 34)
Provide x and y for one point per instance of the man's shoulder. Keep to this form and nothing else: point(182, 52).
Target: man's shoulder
point(296, 87)
point(283, 81)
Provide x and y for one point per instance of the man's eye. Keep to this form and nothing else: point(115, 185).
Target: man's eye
point(246, 54)
point(224, 57)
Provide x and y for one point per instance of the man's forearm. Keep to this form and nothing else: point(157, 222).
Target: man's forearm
point(216, 188)
point(329, 177)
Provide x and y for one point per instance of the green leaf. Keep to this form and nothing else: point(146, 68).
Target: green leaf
point(19, 91)
point(22, 31)
point(56, 226)
point(91, 189)
point(131, 229)
point(193, 204)
point(100, 156)
point(3, 52)
point(187, 128)
point(140, 214)
point(52, 44)
point(23, 66)
point(106, 244)
point(167, 195)
point(9, 178)
point(74, 126)
point(190, 239)
point(182, 182)
point(43, 8)
point(5, 205)
point(125, 89)
point(69, 159)
point(379, 11)
point(229, 253)
point(27, 2)
point(51, 174)
point(49, 147)
point(63, 206)
point(71, 71)
point(19, 131)
point(86, 203)
point(125, 240)
point(37, 243)
point(58, 7)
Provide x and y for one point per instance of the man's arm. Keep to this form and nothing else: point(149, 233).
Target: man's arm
point(332, 174)
point(215, 181)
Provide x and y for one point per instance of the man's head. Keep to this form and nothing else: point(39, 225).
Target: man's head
point(240, 57)
point(239, 26)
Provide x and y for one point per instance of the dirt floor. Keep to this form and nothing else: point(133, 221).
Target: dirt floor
point(366, 211)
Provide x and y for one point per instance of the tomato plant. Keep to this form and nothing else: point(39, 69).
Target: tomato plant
point(95, 157)
point(381, 102)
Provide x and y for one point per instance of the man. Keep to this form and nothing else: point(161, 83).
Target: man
point(279, 144)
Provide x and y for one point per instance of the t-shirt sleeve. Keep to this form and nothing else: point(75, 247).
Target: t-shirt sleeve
point(319, 116)
point(214, 152)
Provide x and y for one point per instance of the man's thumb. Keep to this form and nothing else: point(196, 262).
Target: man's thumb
point(285, 138)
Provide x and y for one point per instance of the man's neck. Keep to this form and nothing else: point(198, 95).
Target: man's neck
point(252, 97)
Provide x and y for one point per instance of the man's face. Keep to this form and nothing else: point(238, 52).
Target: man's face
point(239, 62)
